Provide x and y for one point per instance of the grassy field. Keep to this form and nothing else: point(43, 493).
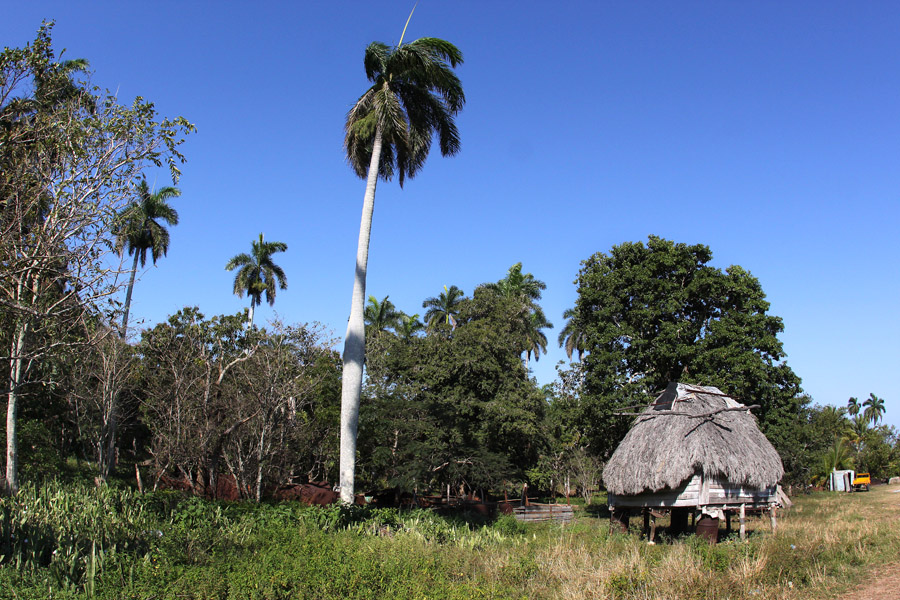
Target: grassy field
point(78, 542)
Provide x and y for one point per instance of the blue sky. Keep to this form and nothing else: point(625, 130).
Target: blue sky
point(769, 131)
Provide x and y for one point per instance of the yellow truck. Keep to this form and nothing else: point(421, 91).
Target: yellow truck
point(861, 482)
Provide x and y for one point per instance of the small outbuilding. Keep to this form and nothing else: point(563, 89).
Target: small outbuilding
point(694, 449)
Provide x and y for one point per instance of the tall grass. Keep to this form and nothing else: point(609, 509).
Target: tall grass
point(84, 542)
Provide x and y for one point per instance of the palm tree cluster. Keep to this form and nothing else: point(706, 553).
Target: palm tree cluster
point(856, 429)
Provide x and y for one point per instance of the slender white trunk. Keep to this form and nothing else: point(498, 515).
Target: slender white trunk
point(250, 324)
point(260, 453)
point(355, 340)
point(12, 408)
point(124, 331)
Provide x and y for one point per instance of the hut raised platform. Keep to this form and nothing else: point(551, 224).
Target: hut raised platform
point(694, 448)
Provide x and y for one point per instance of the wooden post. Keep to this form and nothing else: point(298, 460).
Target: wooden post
point(727, 522)
point(743, 523)
point(773, 519)
point(653, 516)
point(646, 529)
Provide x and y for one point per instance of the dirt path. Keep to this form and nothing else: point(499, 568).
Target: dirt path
point(884, 583)
point(884, 586)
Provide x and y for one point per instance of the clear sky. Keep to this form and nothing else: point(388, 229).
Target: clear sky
point(769, 131)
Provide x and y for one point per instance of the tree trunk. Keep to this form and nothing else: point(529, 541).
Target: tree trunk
point(124, 331)
point(12, 408)
point(355, 340)
point(250, 324)
point(259, 462)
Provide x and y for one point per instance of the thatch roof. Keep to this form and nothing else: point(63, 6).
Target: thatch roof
point(664, 450)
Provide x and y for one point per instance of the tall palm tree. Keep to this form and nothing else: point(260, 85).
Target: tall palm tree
point(443, 308)
point(138, 229)
point(414, 97)
point(572, 337)
point(853, 406)
point(258, 274)
point(381, 317)
point(874, 409)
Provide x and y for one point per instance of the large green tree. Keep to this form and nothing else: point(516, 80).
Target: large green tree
point(459, 409)
point(138, 229)
point(659, 312)
point(257, 273)
point(69, 157)
point(413, 98)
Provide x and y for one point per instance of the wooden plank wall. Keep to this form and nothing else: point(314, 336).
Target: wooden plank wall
point(697, 492)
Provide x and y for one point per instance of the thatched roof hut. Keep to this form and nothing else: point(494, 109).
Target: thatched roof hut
point(693, 447)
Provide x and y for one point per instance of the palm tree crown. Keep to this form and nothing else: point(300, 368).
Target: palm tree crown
point(409, 326)
point(257, 273)
point(519, 285)
point(414, 96)
point(443, 308)
point(381, 316)
point(572, 337)
point(874, 408)
point(137, 227)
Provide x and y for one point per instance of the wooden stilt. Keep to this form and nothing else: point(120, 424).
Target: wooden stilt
point(743, 523)
point(653, 516)
point(727, 522)
point(773, 519)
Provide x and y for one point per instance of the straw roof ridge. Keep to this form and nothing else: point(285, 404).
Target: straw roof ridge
point(665, 450)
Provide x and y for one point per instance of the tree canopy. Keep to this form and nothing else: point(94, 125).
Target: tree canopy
point(658, 312)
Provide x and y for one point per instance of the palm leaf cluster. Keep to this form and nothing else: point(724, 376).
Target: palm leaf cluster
point(572, 337)
point(444, 308)
point(413, 98)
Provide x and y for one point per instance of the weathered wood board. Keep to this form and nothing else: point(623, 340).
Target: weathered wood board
point(544, 512)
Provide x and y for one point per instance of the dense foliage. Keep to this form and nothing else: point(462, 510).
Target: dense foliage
point(70, 157)
point(77, 541)
point(658, 312)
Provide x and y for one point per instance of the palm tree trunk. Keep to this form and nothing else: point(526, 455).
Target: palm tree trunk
point(124, 331)
point(250, 323)
point(12, 407)
point(355, 340)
